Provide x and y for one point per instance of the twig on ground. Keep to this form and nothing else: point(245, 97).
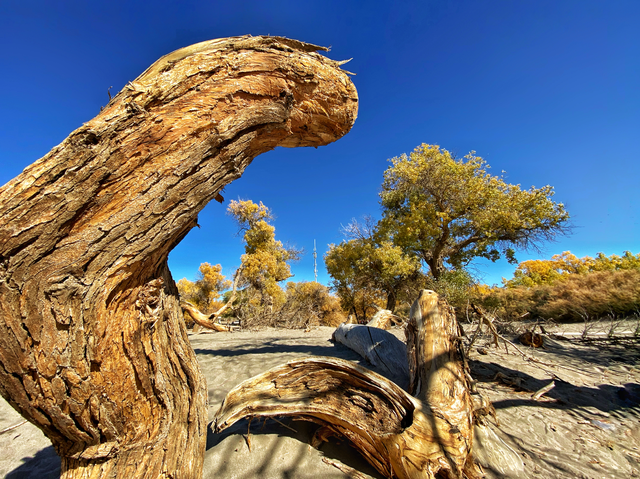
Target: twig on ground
point(531, 358)
point(350, 471)
point(544, 390)
point(11, 428)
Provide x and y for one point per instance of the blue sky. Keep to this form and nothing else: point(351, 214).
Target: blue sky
point(548, 91)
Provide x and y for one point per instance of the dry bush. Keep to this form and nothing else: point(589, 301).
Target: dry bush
point(310, 304)
point(307, 304)
point(594, 295)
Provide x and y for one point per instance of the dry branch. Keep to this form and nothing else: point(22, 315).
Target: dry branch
point(400, 435)
point(15, 426)
point(543, 390)
point(383, 319)
point(204, 320)
point(93, 345)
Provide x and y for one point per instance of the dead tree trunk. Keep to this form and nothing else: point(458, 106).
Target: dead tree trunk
point(93, 346)
point(379, 347)
point(409, 437)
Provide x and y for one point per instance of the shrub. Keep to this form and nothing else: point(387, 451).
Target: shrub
point(576, 298)
point(307, 304)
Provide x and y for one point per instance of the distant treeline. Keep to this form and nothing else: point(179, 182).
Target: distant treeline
point(568, 288)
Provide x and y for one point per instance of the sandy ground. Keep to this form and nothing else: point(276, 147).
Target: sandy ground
point(587, 426)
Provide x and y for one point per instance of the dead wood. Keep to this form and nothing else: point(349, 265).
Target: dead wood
point(204, 320)
point(210, 320)
point(484, 318)
point(401, 435)
point(383, 319)
point(531, 339)
point(534, 361)
point(93, 345)
point(543, 390)
point(15, 426)
point(379, 347)
point(594, 337)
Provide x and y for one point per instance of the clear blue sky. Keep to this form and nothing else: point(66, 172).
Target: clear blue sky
point(548, 91)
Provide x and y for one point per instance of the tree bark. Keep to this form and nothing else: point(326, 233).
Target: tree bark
point(93, 346)
point(383, 319)
point(409, 437)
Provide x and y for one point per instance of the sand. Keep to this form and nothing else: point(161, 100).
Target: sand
point(587, 426)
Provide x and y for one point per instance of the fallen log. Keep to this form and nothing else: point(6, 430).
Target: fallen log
point(379, 347)
point(426, 435)
point(93, 345)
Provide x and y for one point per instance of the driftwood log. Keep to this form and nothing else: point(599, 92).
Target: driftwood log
point(379, 347)
point(425, 434)
point(93, 345)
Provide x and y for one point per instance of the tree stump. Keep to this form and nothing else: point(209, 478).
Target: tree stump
point(425, 435)
point(93, 345)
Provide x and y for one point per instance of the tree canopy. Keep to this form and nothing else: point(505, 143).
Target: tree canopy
point(265, 262)
point(538, 272)
point(369, 262)
point(206, 290)
point(448, 211)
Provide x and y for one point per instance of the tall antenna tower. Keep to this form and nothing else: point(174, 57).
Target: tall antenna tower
point(315, 263)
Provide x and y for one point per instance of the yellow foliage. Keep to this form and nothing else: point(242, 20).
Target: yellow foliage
point(264, 263)
point(561, 266)
point(204, 292)
point(449, 210)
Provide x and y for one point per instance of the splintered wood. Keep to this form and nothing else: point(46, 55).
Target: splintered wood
point(404, 436)
point(93, 345)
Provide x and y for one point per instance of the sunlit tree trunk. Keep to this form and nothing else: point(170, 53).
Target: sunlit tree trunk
point(424, 435)
point(93, 345)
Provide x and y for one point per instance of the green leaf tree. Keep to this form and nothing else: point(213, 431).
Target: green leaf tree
point(369, 261)
point(448, 211)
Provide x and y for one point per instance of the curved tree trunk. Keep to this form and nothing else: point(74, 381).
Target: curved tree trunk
point(426, 435)
point(93, 347)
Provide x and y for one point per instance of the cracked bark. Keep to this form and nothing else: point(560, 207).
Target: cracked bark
point(93, 347)
point(425, 434)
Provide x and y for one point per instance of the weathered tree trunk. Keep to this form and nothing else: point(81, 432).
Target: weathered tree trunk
point(401, 435)
point(93, 346)
point(391, 301)
point(379, 347)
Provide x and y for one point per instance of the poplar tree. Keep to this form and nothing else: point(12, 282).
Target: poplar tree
point(449, 211)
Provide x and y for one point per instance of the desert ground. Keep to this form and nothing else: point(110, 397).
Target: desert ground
point(587, 426)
